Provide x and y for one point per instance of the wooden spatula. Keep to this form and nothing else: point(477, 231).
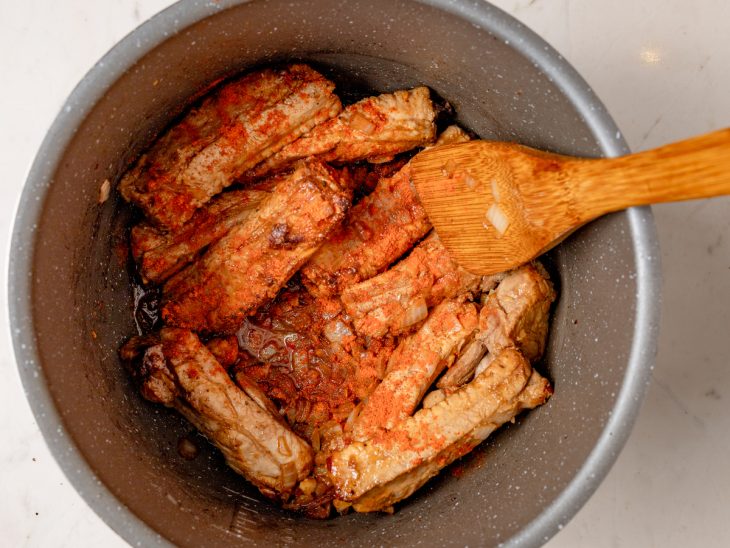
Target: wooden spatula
point(498, 205)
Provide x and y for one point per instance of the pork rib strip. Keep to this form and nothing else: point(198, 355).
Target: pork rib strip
point(375, 129)
point(379, 229)
point(379, 472)
point(180, 372)
point(516, 314)
point(235, 128)
point(160, 254)
point(414, 364)
point(249, 265)
point(398, 298)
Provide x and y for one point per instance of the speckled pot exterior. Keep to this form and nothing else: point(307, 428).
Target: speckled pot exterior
point(70, 300)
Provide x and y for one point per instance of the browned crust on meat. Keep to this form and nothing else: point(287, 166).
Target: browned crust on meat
point(389, 467)
point(160, 254)
point(249, 265)
point(415, 363)
point(375, 129)
point(232, 130)
point(379, 229)
point(393, 301)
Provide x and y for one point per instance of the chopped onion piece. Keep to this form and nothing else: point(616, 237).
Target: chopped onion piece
point(336, 331)
point(415, 313)
point(470, 181)
point(483, 364)
point(104, 190)
point(449, 168)
point(316, 439)
point(497, 218)
point(432, 398)
point(361, 123)
point(352, 417)
point(308, 485)
point(186, 448)
point(340, 505)
point(331, 432)
point(495, 191)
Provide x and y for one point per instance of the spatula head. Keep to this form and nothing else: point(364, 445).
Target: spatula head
point(494, 205)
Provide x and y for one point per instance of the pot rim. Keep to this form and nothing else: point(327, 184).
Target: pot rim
point(179, 16)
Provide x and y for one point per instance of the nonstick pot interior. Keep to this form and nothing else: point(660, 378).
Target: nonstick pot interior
point(71, 302)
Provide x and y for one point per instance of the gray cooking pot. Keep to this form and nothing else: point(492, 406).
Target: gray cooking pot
point(70, 300)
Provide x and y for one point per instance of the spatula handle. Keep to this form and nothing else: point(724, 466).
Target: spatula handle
point(686, 170)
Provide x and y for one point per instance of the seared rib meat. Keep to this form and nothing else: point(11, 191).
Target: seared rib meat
point(537, 392)
point(463, 369)
point(365, 177)
point(241, 124)
point(415, 363)
point(316, 356)
point(374, 129)
point(256, 443)
point(249, 265)
point(376, 473)
point(398, 298)
point(224, 349)
point(379, 229)
point(516, 313)
point(156, 380)
point(307, 359)
point(160, 254)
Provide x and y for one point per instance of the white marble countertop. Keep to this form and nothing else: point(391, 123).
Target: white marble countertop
point(662, 67)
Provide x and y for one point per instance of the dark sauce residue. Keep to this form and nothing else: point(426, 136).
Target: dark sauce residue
point(146, 307)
